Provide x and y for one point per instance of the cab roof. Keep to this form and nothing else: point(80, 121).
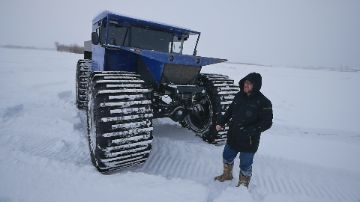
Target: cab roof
point(129, 21)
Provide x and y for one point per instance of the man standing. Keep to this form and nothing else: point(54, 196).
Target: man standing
point(249, 114)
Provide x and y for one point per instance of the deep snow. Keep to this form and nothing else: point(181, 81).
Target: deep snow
point(310, 154)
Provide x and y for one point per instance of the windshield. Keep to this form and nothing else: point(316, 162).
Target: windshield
point(148, 39)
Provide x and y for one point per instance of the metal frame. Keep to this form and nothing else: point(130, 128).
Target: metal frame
point(122, 58)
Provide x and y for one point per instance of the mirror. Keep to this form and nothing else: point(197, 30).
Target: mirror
point(94, 38)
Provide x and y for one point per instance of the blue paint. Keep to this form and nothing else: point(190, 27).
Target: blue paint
point(126, 21)
point(174, 58)
point(98, 55)
point(120, 58)
point(155, 67)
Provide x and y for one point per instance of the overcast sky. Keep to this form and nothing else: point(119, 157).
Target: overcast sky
point(276, 32)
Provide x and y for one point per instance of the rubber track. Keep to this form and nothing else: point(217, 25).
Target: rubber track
point(122, 120)
point(222, 92)
point(82, 76)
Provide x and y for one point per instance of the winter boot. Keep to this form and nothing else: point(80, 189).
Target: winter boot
point(227, 174)
point(244, 180)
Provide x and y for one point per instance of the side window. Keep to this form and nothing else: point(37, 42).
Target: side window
point(177, 43)
point(102, 33)
point(98, 31)
point(150, 39)
point(117, 35)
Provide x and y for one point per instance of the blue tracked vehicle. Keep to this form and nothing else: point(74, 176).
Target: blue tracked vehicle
point(136, 70)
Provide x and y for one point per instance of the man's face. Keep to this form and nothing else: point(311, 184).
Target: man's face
point(248, 86)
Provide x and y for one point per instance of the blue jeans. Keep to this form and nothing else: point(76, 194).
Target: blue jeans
point(246, 159)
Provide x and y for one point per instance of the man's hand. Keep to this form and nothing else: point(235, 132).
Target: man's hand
point(219, 128)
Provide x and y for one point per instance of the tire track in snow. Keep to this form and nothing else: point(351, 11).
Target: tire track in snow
point(44, 139)
point(283, 186)
point(316, 190)
point(272, 185)
point(11, 113)
point(293, 188)
point(166, 166)
point(194, 160)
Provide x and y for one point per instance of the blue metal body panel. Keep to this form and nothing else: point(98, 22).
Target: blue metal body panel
point(119, 58)
point(98, 56)
point(155, 68)
point(154, 60)
point(125, 20)
point(174, 58)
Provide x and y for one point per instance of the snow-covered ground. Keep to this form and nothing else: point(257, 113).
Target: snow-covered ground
point(310, 153)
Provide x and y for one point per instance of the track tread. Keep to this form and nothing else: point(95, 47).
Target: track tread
point(83, 68)
point(222, 91)
point(122, 109)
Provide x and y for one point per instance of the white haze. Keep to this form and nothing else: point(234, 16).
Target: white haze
point(278, 32)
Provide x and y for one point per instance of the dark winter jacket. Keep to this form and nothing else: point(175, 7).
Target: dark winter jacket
point(248, 116)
